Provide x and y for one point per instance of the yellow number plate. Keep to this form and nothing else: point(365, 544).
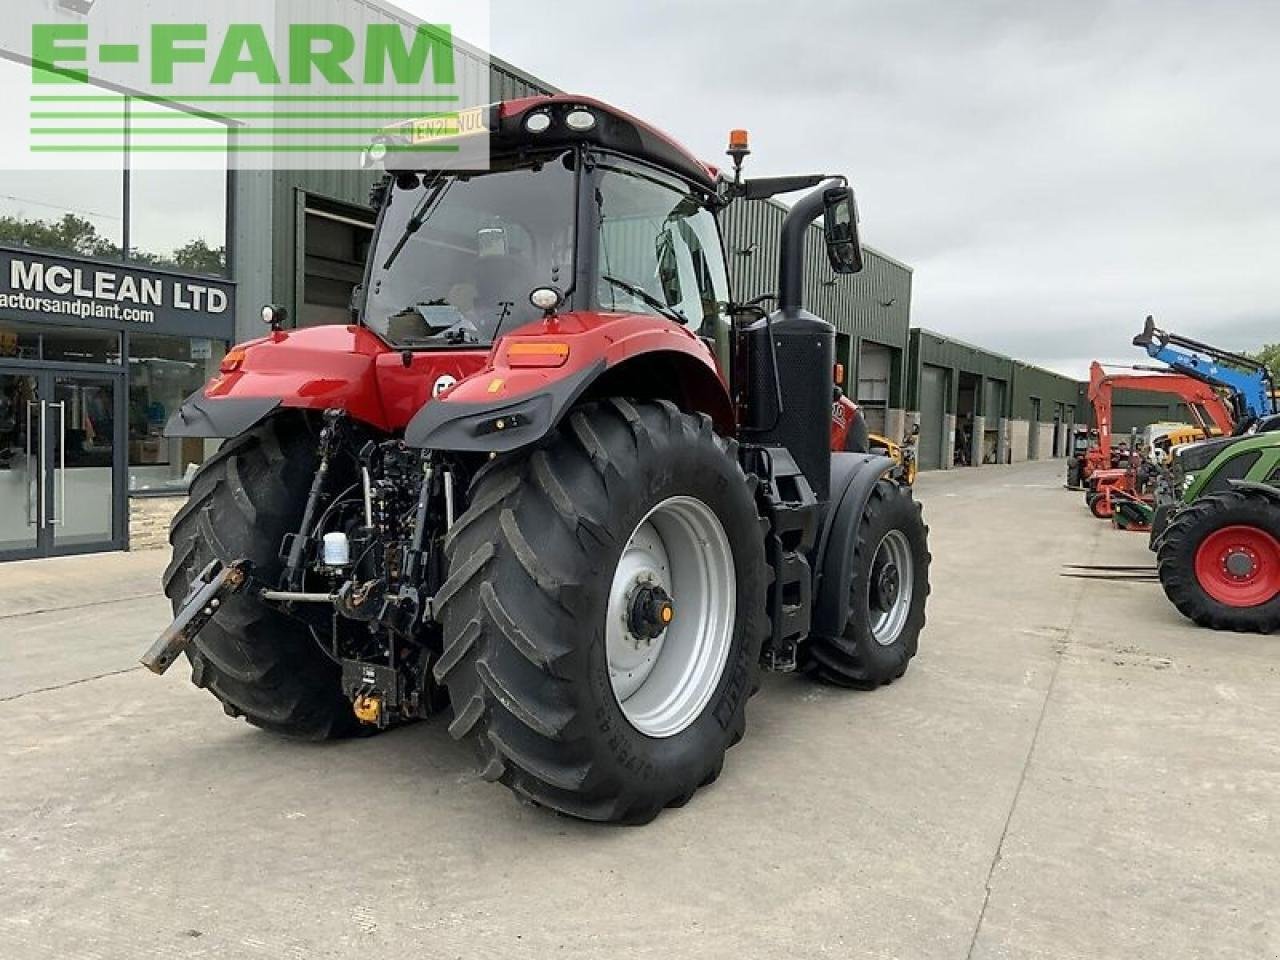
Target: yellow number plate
point(465, 123)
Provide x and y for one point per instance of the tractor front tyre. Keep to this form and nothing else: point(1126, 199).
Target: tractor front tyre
point(886, 596)
point(604, 612)
point(260, 664)
point(1219, 562)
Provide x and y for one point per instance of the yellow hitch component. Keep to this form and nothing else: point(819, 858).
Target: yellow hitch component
point(368, 709)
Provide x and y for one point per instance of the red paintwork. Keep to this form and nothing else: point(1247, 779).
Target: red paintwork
point(353, 369)
point(1256, 587)
point(347, 367)
point(615, 337)
point(842, 413)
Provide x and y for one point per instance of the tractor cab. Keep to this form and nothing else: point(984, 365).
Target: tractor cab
point(582, 210)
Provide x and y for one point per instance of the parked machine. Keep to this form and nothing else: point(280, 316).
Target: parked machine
point(1104, 478)
point(551, 481)
point(1247, 382)
point(1218, 545)
point(849, 432)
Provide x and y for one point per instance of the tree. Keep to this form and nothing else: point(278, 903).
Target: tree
point(76, 235)
point(71, 234)
point(1270, 355)
point(199, 257)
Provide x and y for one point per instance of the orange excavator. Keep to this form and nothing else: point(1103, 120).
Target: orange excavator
point(1097, 469)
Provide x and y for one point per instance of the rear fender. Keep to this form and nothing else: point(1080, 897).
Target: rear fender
point(310, 369)
point(853, 477)
point(510, 405)
point(320, 368)
point(1252, 486)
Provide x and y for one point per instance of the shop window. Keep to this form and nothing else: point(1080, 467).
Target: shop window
point(178, 218)
point(18, 341)
point(164, 371)
point(75, 211)
point(24, 341)
point(80, 346)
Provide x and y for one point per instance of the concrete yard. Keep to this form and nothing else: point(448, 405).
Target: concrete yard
point(1068, 770)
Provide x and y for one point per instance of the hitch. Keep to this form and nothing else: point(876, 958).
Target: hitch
point(208, 591)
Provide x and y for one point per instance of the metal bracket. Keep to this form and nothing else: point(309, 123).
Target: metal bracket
point(208, 592)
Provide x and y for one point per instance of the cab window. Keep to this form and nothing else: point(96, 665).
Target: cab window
point(659, 248)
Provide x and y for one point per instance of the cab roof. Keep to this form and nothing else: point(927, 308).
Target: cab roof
point(508, 126)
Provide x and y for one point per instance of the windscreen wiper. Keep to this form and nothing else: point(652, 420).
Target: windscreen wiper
point(668, 311)
point(419, 217)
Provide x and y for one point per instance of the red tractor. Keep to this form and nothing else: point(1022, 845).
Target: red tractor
point(552, 480)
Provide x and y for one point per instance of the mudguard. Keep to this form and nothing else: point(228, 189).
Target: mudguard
point(201, 417)
point(853, 477)
point(514, 403)
point(1253, 486)
point(499, 428)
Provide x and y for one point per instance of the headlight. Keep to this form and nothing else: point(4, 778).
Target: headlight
point(580, 121)
point(538, 122)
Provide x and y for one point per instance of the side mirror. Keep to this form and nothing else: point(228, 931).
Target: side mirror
point(840, 223)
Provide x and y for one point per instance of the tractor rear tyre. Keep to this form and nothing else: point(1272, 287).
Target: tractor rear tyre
point(261, 664)
point(604, 612)
point(1219, 562)
point(886, 598)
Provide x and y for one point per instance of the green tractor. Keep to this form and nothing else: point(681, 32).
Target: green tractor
point(1217, 539)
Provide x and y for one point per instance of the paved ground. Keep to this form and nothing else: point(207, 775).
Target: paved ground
point(1069, 770)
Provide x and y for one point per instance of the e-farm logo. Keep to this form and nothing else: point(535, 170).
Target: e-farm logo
point(324, 89)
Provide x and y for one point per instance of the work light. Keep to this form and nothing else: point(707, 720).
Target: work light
point(580, 120)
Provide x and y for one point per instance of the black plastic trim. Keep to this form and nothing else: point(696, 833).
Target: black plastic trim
point(472, 427)
point(853, 477)
point(201, 416)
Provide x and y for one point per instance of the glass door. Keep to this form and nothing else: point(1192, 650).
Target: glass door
point(82, 463)
point(60, 463)
point(20, 493)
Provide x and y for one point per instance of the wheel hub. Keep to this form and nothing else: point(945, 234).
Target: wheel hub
point(888, 583)
point(651, 612)
point(1240, 564)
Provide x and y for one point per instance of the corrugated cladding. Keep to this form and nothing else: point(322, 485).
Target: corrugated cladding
point(1051, 388)
point(1023, 380)
point(1136, 409)
point(854, 305)
point(940, 351)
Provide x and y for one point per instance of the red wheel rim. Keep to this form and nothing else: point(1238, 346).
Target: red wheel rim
point(1239, 566)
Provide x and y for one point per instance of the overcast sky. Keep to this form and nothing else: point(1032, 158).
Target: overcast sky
point(1052, 171)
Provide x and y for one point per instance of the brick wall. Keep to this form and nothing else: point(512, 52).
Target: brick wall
point(149, 521)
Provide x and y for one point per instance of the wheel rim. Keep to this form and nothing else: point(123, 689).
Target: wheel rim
point(891, 587)
point(1239, 566)
point(665, 666)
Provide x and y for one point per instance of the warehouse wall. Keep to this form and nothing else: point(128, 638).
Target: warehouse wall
point(1048, 399)
point(1137, 409)
point(1002, 410)
point(974, 407)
